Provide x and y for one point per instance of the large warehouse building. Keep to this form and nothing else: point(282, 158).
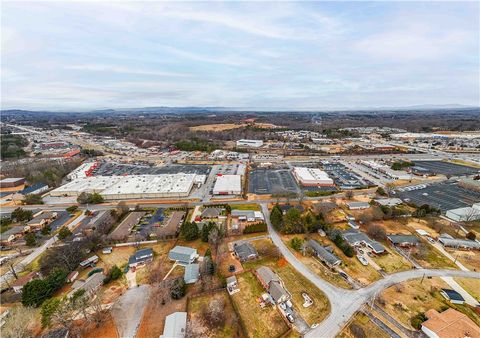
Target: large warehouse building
point(249, 143)
point(312, 177)
point(131, 187)
point(228, 185)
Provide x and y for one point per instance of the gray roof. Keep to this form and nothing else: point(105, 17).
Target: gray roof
point(389, 201)
point(277, 291)
point(42, 216)
point(246, 213)
point(267, 275)
point(401, 239)
point(459, 243)
point(245, 250)
point(140, 256)
point(90, 284)
point(211, 212)
point(358, 204)
point(181, 253)
point(323, 253)
point(192, 271)
point(354, 237)
point(453, 295)
point(175, 325)
point(12, 231)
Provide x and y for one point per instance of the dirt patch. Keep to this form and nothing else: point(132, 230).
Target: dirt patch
point(361, 323)
point(106, 329)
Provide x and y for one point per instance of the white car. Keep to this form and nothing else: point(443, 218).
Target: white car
point(289, 303)
point(283, 306)
point(362, 260)
point(290, 318)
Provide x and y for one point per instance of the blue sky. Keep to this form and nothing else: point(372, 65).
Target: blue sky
point(89, 55)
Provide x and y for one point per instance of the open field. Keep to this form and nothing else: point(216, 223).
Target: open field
point(258, 322)
point(362, 323)
point(471, 285)
point(470, 259)
point(391, 261)
point(429, 257)
point(254, 207)
point(229, 126)
point(197, 306)
point(405, 300)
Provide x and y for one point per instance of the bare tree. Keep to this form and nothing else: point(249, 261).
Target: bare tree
point(19, 323)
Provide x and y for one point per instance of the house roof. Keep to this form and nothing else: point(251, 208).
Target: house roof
point(143, 252)
point(389, 201)
point(12, 231)
point(451, 324)
point(211, 212)
point(42, 216)
point(246, 213)
point(180, 253)
point(192, 271)
point(354, 237)
point(452, 295)
point(175, 325)
point(267, 275)
point(25, 279)
point(231, 279)
point(456, 242)
point(400, 239)
point(358, 204)
point(323, 253)
point(244, 250)
point(277, 291)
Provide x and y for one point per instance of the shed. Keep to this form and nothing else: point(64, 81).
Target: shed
point(192, 271)
point(175, 325)
point(453, 296)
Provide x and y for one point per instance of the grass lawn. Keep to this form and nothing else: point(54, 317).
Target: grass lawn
point(295, 283)
point(471, 285)
point(470, 259)
point(254, 207)
point(407, 299)
point(196, 308)
point(429, 257)
point(391, 261)
point(362, 323)
point(258, 322)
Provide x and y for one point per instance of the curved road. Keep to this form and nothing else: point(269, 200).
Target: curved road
point(344, 303)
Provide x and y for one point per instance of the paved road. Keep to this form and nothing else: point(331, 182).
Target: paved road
point(344, 303)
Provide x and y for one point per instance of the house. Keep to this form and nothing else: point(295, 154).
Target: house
point(211, 213)
point(18, 284)
point(72, 276)
point(183, 255)
point(192, 271)
point(11, 234)
point(323, 254)
point(11, 182)
point(141, 257)
point(41, 220)
point(247, 215)
point(272, 283)
point(358, 205)
point(175, 325)
point(465, 214)
point(457, 243)
point(232, 285)
point(286, 207)
point(356, 238)
point(89, 261)
point(90, 285)
point(449, 324)
point(403, 240)
point(245, 251)
point(453, 296)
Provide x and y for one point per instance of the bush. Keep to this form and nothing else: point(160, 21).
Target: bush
point(417, 320)
point(296, 243)
point(33, 199)
point(71, 209)
point(30, 239)
point(381, 191)
point(114, 274)
point(85, 198)
point(20, 215)
point(64, 233)
point(252, 228)
point(178, 289)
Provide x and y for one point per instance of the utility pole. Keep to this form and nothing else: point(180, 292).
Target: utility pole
point(422, 279)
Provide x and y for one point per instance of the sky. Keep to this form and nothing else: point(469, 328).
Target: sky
point(298, 55)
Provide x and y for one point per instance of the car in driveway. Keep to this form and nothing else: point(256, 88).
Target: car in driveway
point(283, 306)
point(430, 239)
point(290, 318)
point(362, 260)
point(343, 274)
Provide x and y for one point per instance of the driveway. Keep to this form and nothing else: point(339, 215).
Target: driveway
point(131, 278)
point(345, 303)
point(128, 310)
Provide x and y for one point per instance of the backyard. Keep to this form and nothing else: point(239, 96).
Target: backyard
point(258, 322)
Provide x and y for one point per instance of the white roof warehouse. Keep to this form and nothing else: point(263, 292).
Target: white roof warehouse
point(134, 186)
point(228, 185)
point(312, 177)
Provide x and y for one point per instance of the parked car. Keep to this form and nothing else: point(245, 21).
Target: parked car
point(283, 306)
point(289, 303)
point(362, 260)
point(343, 274)
point(290, 318)
point(430, 239)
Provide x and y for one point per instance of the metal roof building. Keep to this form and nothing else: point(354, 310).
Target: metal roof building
point(312, 177)
point(175, 325)
point(228, 185)
point(192, 271)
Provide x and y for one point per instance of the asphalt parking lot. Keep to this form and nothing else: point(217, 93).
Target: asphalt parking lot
point(446, 168)
point(445, 196)
point(343, 177)
point(62, 218)
point(266, 181)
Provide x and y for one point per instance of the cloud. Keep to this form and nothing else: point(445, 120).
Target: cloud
point(123, 70)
